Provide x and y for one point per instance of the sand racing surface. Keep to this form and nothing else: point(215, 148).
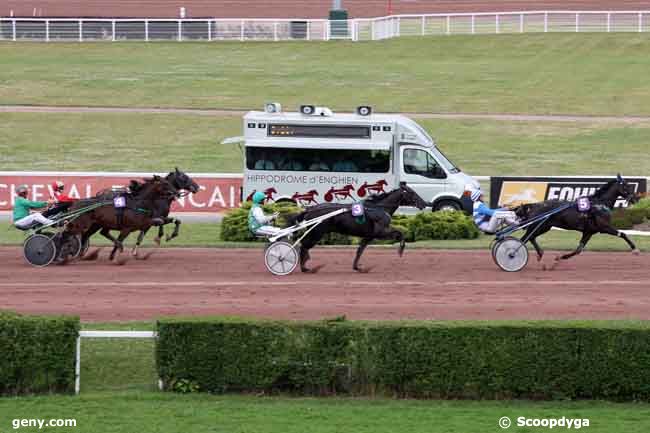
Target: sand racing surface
point(423, 284)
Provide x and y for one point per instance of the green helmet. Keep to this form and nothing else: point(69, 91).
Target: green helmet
point(259, 197)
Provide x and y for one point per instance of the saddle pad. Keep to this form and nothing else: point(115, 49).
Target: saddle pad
point(584, 204)
point(119, 201)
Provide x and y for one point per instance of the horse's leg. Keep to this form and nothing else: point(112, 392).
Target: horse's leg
point(532, 233)
point(177, 227)
point(362, 246)
point(609, 230)
point(305, 245)
point(141, 236)
point(581, 246)
point(116, 244)
point(120, 239)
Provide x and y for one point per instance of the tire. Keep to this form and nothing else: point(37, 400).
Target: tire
point(510, 254)
point(39, 250)
point(70, 248)
point(447, 205)
point(280, 258)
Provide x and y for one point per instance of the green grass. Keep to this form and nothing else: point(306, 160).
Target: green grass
point(208, 235)
point(154, 412)
point(158, 142)
point(532, 73)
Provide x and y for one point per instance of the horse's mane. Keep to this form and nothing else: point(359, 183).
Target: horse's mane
point(603, 189)
point(377, 197)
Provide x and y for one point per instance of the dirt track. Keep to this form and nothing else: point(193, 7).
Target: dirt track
point(423, 284)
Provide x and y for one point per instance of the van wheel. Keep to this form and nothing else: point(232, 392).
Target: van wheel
point(447, 205)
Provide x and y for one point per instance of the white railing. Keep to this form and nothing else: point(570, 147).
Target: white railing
point(362, 29)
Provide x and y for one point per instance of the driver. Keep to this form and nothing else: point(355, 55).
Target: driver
point(61, 201)
point(22, 218)
point(258, 223)
point(486, 219)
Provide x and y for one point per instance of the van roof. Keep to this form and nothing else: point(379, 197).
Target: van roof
point(348, 118)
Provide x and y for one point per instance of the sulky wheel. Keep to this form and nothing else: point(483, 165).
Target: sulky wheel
point(510, 254)
point(39, 250)
point(281, 258)
point(69, 246)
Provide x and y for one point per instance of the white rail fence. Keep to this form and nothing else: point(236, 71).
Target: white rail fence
point(365, 29)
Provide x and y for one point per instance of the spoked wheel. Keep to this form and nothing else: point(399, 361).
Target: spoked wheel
point(510, 254)
point(84, 247)
point(39, 250)
point(493, 245)
point(68, 246)
point(281, 258)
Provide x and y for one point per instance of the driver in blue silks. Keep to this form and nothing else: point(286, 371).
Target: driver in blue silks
point(258, 223)
point(486, 219)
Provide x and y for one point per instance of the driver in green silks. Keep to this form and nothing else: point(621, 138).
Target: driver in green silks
point(258, 223)
point(23, 219)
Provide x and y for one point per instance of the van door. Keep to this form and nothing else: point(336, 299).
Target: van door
point(422, 172)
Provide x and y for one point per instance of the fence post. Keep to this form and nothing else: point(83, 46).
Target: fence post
point(275, 31)
point(609, 20)
point(77, 367)
point(640, 22)
point(180, 31)
point(545, 22)
point(241, 35)
point(448, 25)
point(146, 30)
point(308, 29)
point(521, 23)
point(577, 22)
point(113, 28)
point(13, 30)
point(326, 30)
point(47, 30)
point(496, 22)
point(473, 24)
point(423, 24)
point(398, 27)
point(372, 30)
point(209, 30)
point(81, 30)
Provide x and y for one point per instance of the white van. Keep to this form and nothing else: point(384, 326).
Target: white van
point(315, 156)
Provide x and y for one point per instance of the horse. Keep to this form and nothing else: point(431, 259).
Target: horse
point(375, 224)
point(182, 183)
point(596, 220)
point(136, 214)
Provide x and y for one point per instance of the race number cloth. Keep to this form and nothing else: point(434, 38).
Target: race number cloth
point(584, 204)
point(357, 209)
point(119, 202)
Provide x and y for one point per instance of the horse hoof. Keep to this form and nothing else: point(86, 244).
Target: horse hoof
point(121, 261)
point(156, 241)
point(636, 251)
point(363, 270)
point(169, 238)
point(91, 256)
point(557, 258)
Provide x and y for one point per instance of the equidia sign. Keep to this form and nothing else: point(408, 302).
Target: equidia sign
point(513, 191)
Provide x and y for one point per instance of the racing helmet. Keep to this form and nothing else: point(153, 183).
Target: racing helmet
point(21, 189)
point(57, 186)
point(476, 194)
point(259, 197)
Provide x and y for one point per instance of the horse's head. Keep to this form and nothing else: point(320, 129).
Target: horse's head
point(626, 190)
point(408, 197)
point(614, 189)
point(182, 181)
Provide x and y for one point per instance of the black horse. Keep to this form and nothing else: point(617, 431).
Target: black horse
point(184, 185)
point(596, 220)
point(375, 224)
point(137, 214)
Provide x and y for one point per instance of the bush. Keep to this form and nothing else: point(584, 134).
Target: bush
point(38, 353)
point(547, 360)
point(423, 226)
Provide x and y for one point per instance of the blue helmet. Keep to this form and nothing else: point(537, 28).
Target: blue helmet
point(259, 197)
point(476, 194)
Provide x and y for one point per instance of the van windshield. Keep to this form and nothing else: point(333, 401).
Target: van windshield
point(332, 160)
point(444, 161)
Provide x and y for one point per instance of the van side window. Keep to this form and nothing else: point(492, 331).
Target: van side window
point(419, 162)
point(322, 160)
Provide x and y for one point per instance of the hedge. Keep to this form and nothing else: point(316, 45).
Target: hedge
point(37, 353)
point(422, 226)
point(627, 218)
point(539, 360)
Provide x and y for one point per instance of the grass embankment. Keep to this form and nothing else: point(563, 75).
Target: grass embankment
point(531, 73)
point(159, 142)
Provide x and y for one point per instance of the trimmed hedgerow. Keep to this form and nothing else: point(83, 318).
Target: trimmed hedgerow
point(423, 226)
point(38, 353)
point(543, 360)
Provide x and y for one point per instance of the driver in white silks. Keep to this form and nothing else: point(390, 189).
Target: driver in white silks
point(258, 223)
point(488, 220)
